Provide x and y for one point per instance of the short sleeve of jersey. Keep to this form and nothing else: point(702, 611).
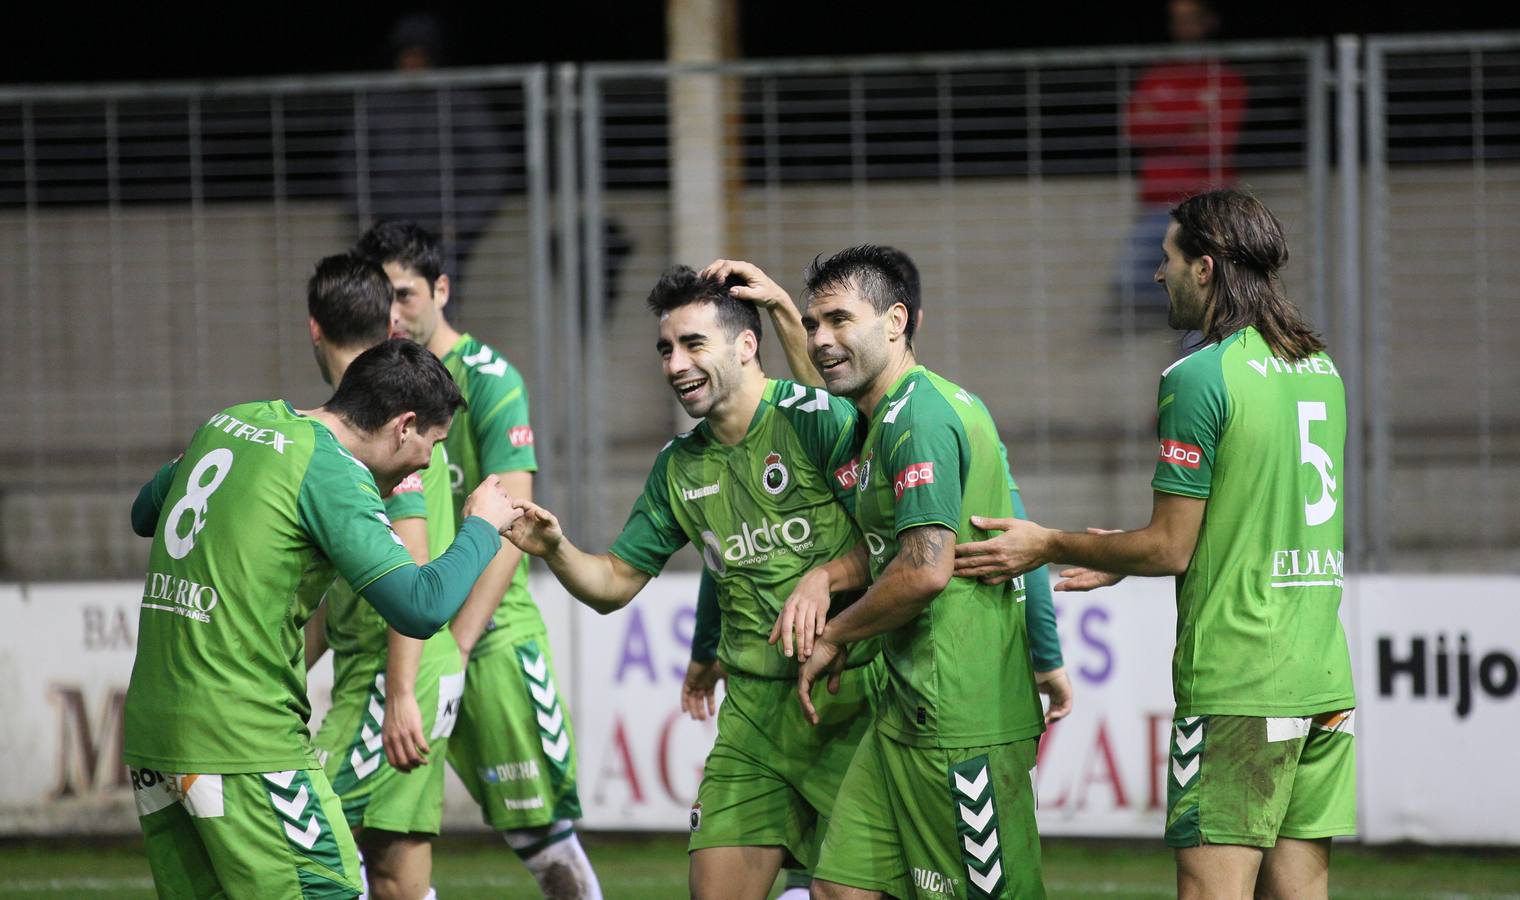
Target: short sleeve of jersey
point(826, 426)
point(926, 452)
point(406, 501)
point(1191, 408)
point(340, 508)
point(651, 535)
point(499, 416)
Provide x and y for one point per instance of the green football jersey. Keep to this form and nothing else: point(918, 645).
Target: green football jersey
point(492, 435)
point(263, 509)
point(959, 674)
point(354, 628)
point(763, 511)
point(1262, 440)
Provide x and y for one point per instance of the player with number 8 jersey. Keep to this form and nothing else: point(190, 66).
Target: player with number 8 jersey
point(250, 525)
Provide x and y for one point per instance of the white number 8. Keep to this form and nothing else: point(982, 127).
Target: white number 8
point(218, 462)
point(1312, 454)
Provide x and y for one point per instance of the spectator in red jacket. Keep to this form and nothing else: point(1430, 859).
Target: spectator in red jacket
point(1182, 122)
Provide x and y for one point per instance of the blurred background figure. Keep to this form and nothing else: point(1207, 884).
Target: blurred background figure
point(1182, 124)
point(435, 156)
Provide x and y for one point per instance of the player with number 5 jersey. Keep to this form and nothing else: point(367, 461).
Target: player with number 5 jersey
point(1249, 505)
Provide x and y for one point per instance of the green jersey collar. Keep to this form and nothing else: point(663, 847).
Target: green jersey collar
point(892, 391)
point(767, 398)
point(458, 348)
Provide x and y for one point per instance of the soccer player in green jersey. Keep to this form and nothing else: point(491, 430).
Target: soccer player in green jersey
point(938, 799)
point(249, 526)
point(1247, 514)
point(376, 733)
point(512, 746)
point(762, 486)
point(754, 285)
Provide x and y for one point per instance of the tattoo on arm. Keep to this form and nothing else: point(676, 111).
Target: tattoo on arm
point(922, 547)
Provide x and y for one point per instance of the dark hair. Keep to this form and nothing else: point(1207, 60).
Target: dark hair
point(907, 270)
point(350, 299)
point(877, 272)
point(391, 378)
point(682, 286)
point(407, 244)
point(1246, 243)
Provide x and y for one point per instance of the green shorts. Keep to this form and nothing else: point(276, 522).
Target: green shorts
point(1249, 781)
point(513, 746)
point(936, 823)
point(771, 776)
point(272, 836)
point(376, 794)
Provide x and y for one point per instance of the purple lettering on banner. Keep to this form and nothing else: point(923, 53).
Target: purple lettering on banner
point(636, 652)
point(682, 625)
point(1097, 643)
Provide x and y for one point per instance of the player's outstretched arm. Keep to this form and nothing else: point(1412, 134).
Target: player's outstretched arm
point(419, 600)
point(601, 581)
point(401, 732)
point(1163, 547)
point(758, 288)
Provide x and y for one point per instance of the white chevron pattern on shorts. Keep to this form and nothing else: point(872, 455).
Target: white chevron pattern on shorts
point(988, 882)
point(973, 788)
point(983, 850)
point(977, 820)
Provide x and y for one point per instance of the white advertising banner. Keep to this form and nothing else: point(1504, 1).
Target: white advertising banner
point(1439, 721)
point(1436, 681)
point(640, 756)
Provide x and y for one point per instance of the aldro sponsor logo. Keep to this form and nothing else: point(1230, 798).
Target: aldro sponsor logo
point(1432, 670)
point(754, 544)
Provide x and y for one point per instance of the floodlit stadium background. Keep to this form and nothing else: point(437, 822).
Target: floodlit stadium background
point(156, 239)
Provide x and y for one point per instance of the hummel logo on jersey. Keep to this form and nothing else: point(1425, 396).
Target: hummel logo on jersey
point(848, 475)
point(520, 436)
point(913, 476)
point(1178, 453)
point(706, 490)
point(482, 361)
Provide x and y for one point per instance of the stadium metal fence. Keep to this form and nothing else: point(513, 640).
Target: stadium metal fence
point(157, 238)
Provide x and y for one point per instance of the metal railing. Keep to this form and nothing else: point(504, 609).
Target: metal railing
point(158, 238)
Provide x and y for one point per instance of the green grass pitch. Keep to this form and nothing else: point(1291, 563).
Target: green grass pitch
point(654, 866)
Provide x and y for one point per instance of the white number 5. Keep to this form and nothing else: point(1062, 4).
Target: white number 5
point(1312, 454)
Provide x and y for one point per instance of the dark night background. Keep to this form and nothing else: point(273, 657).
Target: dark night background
point(67, 42)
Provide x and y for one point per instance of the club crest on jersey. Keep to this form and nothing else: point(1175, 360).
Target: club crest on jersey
point(865, 470)
point(776, 477)
point(696, 816)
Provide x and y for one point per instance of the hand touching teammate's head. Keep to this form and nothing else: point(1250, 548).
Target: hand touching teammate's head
point(682, 285)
